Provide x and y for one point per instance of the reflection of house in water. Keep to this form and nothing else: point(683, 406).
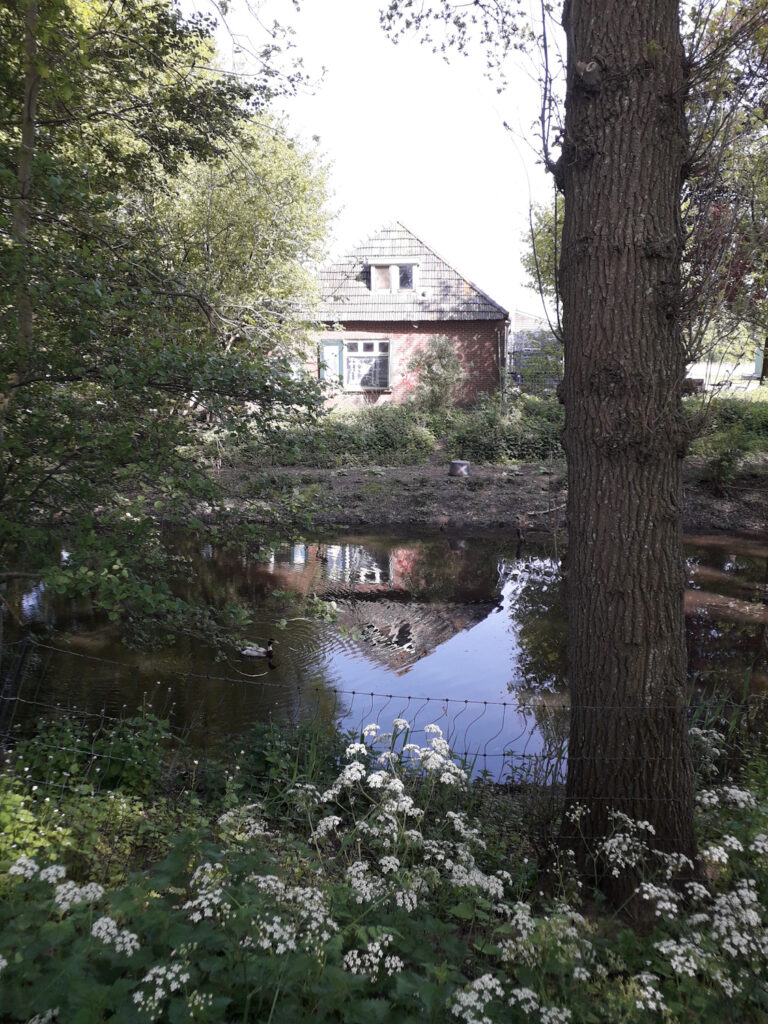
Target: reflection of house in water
point(398, 634)
point(378, 596)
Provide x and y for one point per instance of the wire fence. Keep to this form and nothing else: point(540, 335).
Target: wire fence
point(523, 740)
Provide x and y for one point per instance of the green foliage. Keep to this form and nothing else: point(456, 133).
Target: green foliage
point(364, 877)
point(438, 373)
point(374, 435)
point(542, 246)
point(528, 430)
point(123, 322)
point(734, 429)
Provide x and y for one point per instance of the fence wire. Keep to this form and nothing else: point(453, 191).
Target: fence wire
point(513, 742)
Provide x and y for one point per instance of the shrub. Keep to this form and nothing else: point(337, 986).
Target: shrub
point(528, 430)
point(438, 375)
point(389, 435)
point(733, 430)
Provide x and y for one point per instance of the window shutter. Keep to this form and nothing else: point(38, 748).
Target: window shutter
point(331, 364)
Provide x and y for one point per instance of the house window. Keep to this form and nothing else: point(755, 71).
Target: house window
point(366, 365)
point(393, 277)
point(358, 365)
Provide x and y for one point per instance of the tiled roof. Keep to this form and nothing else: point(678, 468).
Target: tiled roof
point(440, 292)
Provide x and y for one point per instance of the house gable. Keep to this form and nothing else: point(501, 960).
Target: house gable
point(394, 276)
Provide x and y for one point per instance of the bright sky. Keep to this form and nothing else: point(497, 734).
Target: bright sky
point(412, 138)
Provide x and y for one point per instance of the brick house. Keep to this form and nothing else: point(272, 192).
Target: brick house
point(386, 299)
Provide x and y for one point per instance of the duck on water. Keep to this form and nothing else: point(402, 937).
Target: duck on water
point(259, 652)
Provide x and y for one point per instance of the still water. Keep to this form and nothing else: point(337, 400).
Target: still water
point(464, 631)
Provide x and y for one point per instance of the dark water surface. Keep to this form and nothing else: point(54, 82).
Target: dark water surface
point(463, 631)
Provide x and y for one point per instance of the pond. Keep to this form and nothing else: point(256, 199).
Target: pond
point(463, 631)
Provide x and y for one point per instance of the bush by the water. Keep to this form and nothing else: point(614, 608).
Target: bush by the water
point(312, 876)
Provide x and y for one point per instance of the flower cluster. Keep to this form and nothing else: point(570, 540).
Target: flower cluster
point(298, 919)
point(159, 983)
point(209, 899)
point(373, 959)
point(68, 894)
point(470, 1002)
point(243, 823)
point(106, 929)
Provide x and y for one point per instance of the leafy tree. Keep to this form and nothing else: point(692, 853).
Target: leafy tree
point(116, 321)
point(624, 158)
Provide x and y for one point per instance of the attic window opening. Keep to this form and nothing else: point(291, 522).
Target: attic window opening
point(393, 277)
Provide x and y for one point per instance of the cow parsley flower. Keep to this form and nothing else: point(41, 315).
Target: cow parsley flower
point(356, 749)
point(325, 826)
point(53, 873)
point(373, 959)
point(470, 1002)
point(24, 866)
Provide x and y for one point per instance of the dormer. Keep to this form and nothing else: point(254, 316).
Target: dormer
point(389, 276)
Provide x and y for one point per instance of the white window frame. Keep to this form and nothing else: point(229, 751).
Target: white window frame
point(339, 371)
point(382, 346)
point(394, 274)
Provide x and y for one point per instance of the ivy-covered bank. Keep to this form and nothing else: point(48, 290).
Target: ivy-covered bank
point(314, 876)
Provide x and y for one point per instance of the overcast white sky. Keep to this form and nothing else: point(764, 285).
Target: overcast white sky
point(414, 139)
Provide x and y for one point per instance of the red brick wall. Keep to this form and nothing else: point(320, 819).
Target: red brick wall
point(478, 343)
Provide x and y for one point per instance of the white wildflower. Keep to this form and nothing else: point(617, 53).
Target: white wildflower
point(388, 864)
point(555, 1015)
point(741, 798)
point(526, 998)
point(685, 956)
point(470, 1002)
point(400, 725)
point(576, 812)
point(325, 826)
point(68, 894)
point(373, 959)
point(24, 866)
point(759, 844)
point(372, 729)
point(366, 886)
point(715, 854)
point(53, 873)
point(106, 929)
point(406, 899)
point(356, 749)
point(708, 798)
point(666, 899)
point(245, 822)
point(732, 843)
point(648, 997)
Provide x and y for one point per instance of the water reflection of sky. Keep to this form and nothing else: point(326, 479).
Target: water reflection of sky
point(463, 632)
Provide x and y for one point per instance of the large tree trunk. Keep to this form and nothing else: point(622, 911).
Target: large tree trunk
point(621, 169)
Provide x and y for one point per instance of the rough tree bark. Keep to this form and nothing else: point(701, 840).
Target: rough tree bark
point(621, 168)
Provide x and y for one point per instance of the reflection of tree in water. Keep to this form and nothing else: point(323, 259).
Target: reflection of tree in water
point(538, 616)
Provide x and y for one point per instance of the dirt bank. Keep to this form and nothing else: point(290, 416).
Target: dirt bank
point(529, 497)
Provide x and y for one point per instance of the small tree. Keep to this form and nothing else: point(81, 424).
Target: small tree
point(439, 374)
